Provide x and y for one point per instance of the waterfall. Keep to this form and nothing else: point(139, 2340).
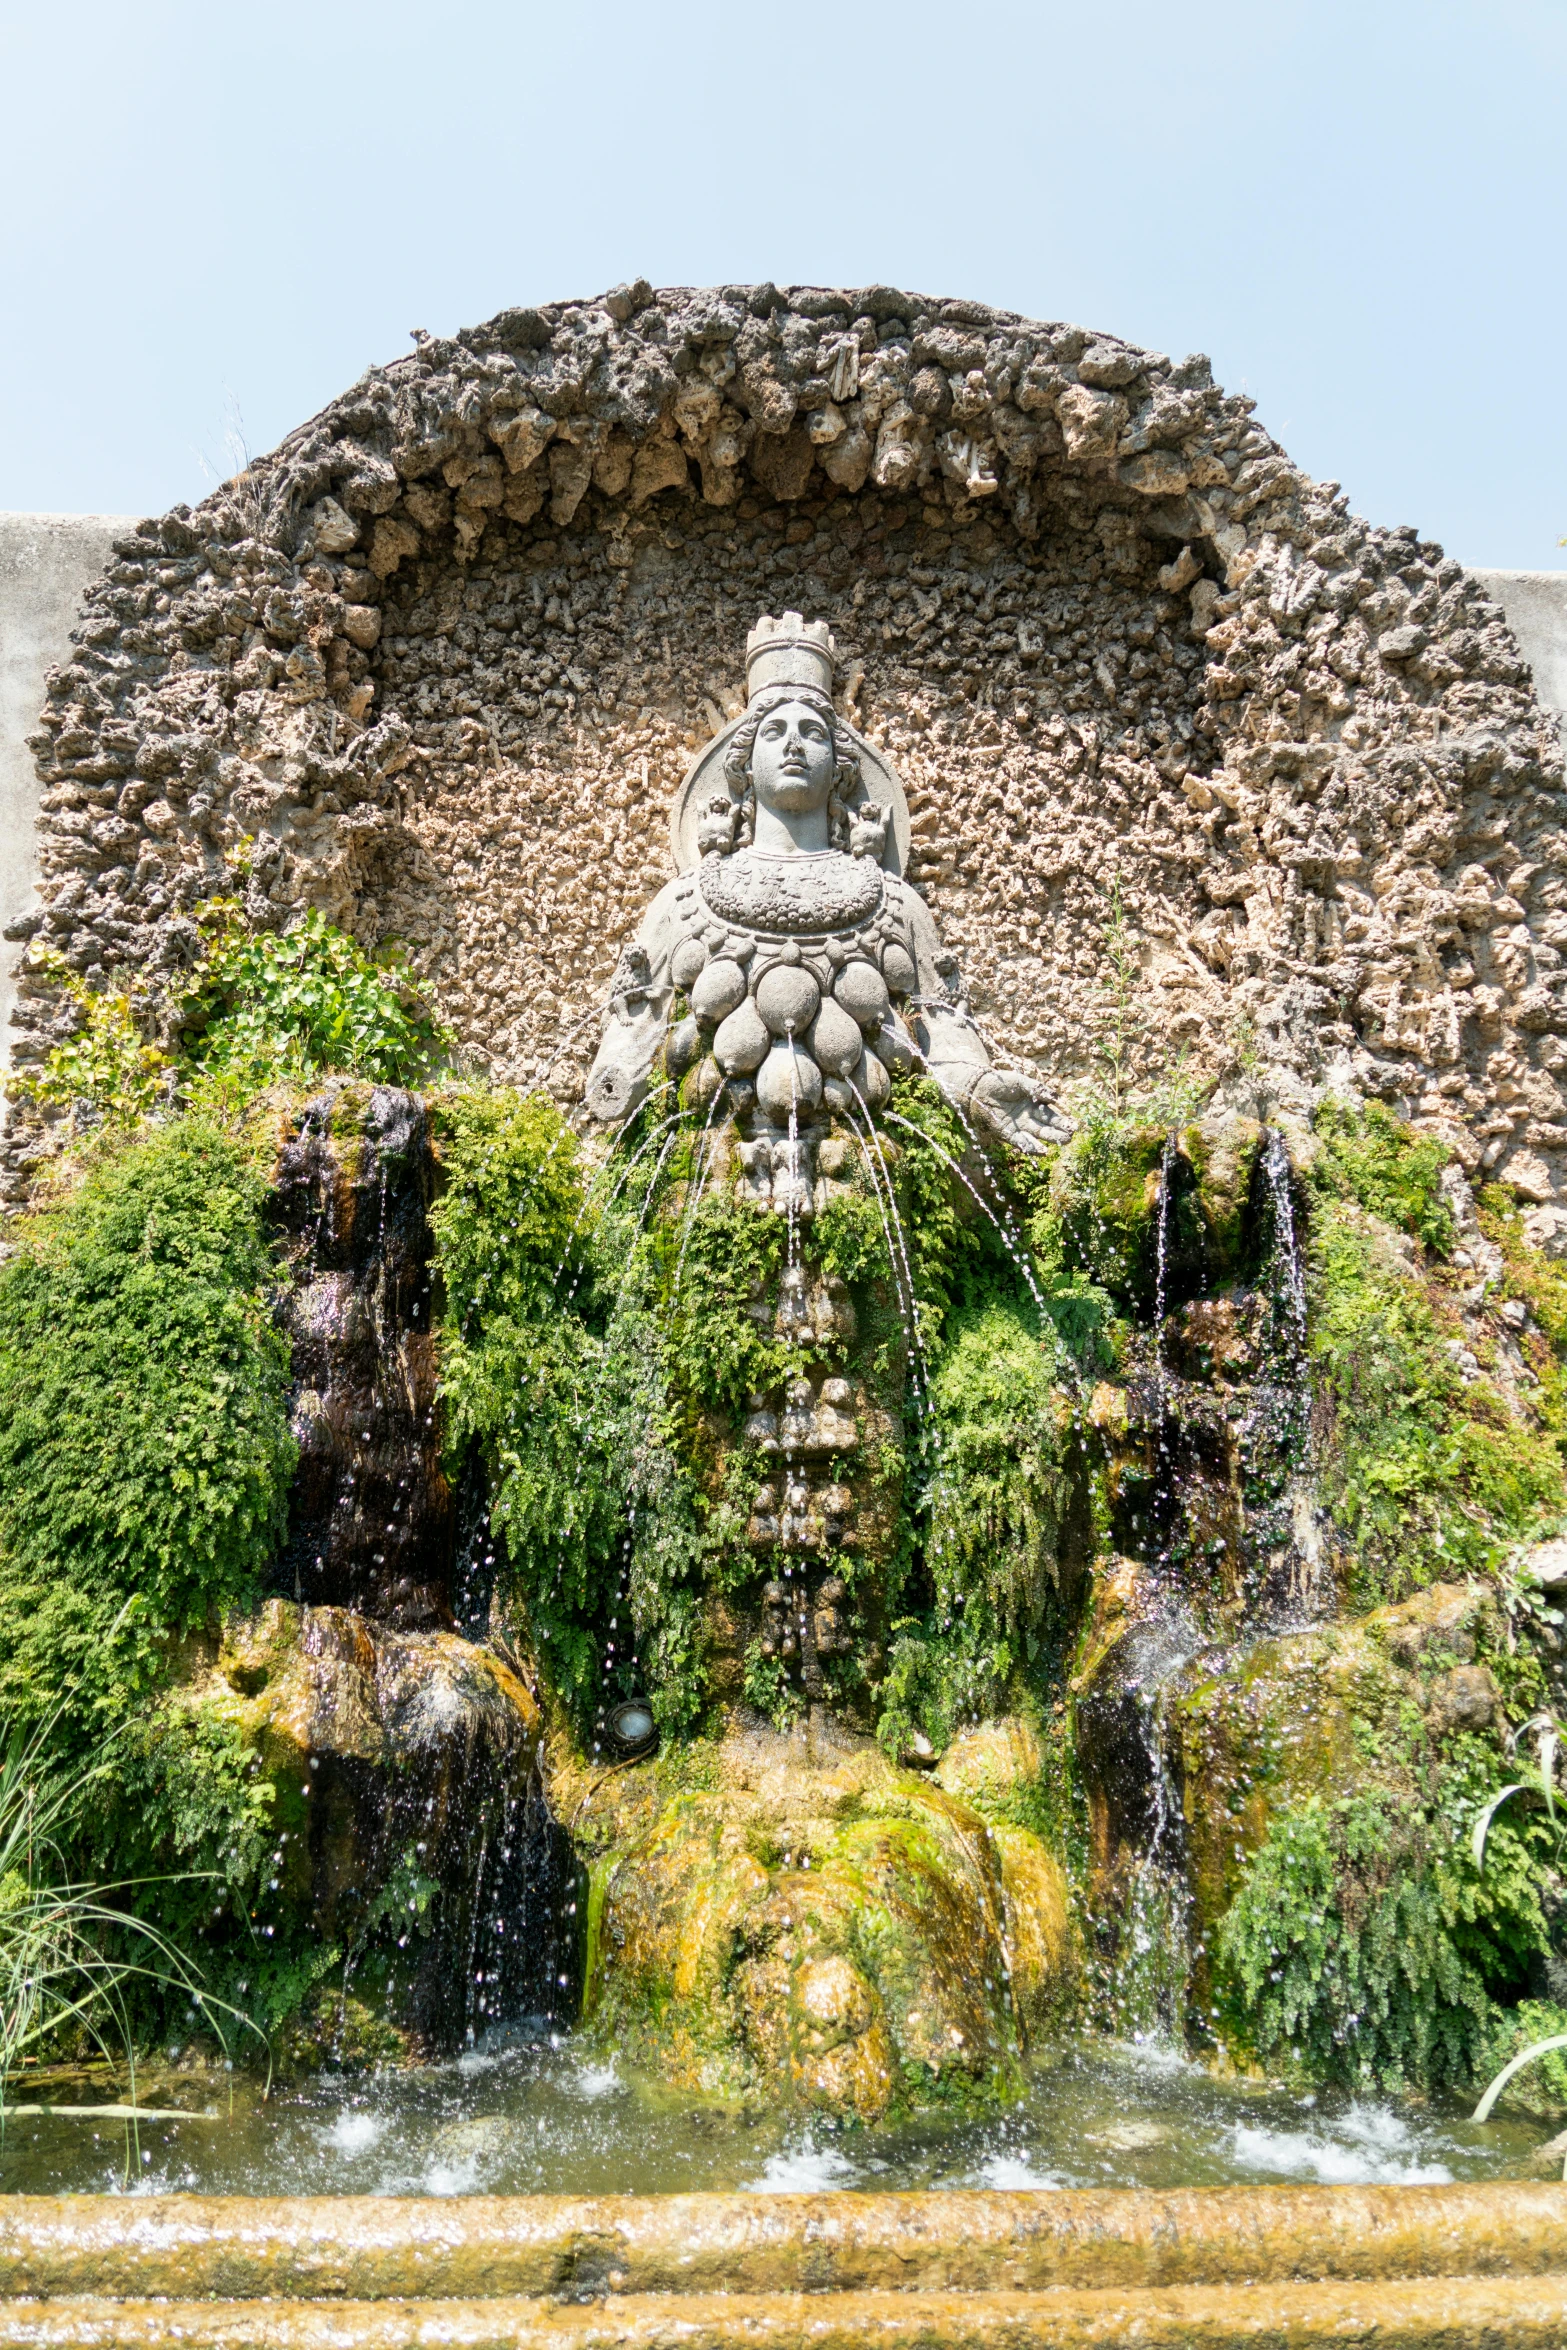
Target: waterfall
point(1287, 1262)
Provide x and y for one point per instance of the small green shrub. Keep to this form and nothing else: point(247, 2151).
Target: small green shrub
point(107, 1066)
point(145, 1455)
point(269, 1007)
point(1365, 1947)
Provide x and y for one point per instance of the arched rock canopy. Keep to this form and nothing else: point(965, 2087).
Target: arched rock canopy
point(443, 658)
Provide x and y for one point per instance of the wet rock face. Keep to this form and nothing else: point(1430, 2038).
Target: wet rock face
point(1216, 1537)
point(371, 1514)
point(797, 1919)
point(406, 1808)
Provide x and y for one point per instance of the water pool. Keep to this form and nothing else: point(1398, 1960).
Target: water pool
point(532, 2115)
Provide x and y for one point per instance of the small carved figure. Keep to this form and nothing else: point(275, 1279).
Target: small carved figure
point(716, 833)
point(868, 832)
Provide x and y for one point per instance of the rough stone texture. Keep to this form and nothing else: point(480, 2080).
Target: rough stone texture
point(447, 650)
point(47, 561)
point(377, 1744)
point(1457, 2313)
point(381, 2247)
point(371, 1516)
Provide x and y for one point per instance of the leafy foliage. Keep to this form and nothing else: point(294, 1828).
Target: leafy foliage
point(559, 1372)
point(72, 1959)
point(726, 1262)
point(144, 1447)
point(269, 1007)
point(1366, 1947)
point(1369, 1156)
point(1541, 1284)
point(995, 1503)
point(262, 1009)
point(1532, 2042)
point(106, 1066)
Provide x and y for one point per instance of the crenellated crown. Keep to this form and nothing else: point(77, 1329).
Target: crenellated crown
point(790, 651)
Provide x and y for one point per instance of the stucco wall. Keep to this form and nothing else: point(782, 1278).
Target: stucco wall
point(1536, 606)
point(47, 562)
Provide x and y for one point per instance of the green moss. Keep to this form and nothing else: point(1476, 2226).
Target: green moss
point(1426, 1474)
point(1223, 1159)
point(562, 1372)
point(995, 1504)
point(1369, 1156)
point(1542, 1286)
point(726, 1263)
point(1095, 1211)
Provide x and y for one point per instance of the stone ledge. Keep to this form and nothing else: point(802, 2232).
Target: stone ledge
point(1457, 2313)
point(363, 2248)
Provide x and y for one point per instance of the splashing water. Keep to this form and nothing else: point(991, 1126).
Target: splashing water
point(1155, 1956)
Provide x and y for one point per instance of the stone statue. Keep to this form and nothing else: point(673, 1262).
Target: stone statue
point(807, 968)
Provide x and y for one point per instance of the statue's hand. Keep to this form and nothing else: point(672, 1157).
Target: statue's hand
point(1017, 1109)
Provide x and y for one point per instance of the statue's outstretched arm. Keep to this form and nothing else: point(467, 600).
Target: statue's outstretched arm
point(640, 996)
point(1008, 1103)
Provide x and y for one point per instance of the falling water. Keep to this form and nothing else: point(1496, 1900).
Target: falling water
point(1154, 1961)
point(1286, 1247)
point(1014, 1251)
point(1162, 1248)
point(1003, 1204)
point(919, 1364)
point(698, 1186)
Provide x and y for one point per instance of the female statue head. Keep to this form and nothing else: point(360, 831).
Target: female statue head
point(794, 772)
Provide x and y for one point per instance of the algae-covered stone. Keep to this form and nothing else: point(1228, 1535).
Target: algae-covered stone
point(1324, 1715)
point(1259, 1732)
point(392, 1764)
point(795, 1917)
point(1221, 1150)
point(998, 1768)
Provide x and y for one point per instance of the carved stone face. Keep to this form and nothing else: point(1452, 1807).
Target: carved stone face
point(793, 760)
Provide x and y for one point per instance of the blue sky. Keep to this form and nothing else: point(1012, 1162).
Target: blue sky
point(214, 218)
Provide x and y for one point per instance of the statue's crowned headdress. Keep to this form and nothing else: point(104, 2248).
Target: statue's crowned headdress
point(792, 652)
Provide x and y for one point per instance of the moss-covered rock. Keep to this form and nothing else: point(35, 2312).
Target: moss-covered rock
point(794, 1917)
point(386, 1770)
point(1001, 1771)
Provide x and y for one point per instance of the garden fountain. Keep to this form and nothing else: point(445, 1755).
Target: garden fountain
point(806, 1620)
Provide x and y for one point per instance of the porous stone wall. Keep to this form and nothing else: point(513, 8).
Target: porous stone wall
point(444, 656)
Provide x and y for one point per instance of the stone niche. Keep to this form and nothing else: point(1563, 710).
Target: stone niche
point(444, 656)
